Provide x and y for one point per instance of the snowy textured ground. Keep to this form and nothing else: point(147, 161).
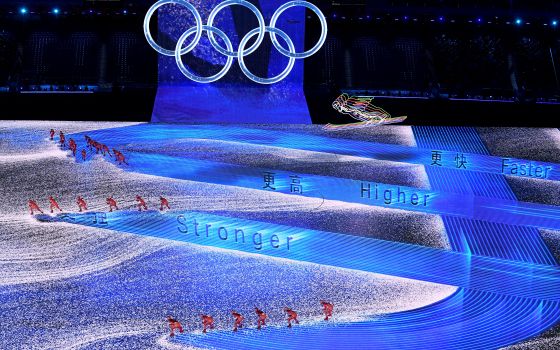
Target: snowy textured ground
point(68, 287)
point(540, 145)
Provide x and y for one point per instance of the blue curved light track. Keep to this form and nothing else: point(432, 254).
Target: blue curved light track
point(509, 281)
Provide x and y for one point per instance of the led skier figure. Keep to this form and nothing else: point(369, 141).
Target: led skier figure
point(82, 205)
point(33, 206)
point(51, 133)
point(163, 203)
point(141, 203)
point(207, 322)
point(292, 316)
point(327, 309)
point(261, 320)
point(84, 154)
point(174, 325)
point(112, 204)
point(238, 320)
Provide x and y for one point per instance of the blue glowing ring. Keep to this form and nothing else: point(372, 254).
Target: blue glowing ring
point(255, 78)
point(253, 9)
point(322, 38)
point(151, 40)
point(188, 73)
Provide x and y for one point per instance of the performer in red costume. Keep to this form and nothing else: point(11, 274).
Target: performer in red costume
point(173, 325)
point(261, 321)
point(89, 141)
point(81, 204)
point(112, 204)
point(141, 203)
point(207, 322)
point(327, 309)
point(84, 154)
point(34, 207)
point(106, 150)
point(52, 134)
point(54, 204)
point(62, 140)
point(119, 157)
point(72, 145)
point(163, 203)
point(98, 147)
point(292, 316)
point(238, 320)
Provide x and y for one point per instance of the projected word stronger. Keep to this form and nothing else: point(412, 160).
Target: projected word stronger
point(242, 51)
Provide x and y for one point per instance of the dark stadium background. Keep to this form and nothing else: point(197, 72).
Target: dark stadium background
point(439, 62)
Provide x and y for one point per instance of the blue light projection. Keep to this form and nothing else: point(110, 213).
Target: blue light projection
point(509, 281)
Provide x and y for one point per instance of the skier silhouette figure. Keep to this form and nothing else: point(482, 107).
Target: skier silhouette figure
point(81, 204)
point(163, 203)
point(54, 204)
point(173, 325)
point(34, 207)
point(51, 134)
point(327, 309)
point(261, 320)
point(62, 140)
point(84, 154)
point(207, 322)
point(112, 204)
point(119, 157)
point(106, 150)
point(292, 316)
point(238, 320)
point(141, 203)
point(72, 145)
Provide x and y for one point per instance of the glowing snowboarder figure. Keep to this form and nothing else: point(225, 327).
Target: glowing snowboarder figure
point(112, 204)
point(141, 203)
point(292, 316)
point(62, 140)
point(54, 204)
point(51, 133)
point(82, 205)
point(261, 321)
point(174, 325)
point(33, 206)
point(73, 147)
point(163, 203)
point(238, 320)
point(362, 109)
point(207, 322)
point(327, 309)
point(84, 155)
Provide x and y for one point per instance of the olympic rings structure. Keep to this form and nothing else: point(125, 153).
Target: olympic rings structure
point(242, 51)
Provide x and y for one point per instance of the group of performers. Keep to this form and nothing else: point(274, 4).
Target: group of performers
point(82, 205)
point(208, 321)
point(91, 144)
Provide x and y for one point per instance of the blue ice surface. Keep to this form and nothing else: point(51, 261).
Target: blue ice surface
point(502, 300)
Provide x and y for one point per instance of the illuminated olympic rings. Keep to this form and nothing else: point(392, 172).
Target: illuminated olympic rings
point(242, 51)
